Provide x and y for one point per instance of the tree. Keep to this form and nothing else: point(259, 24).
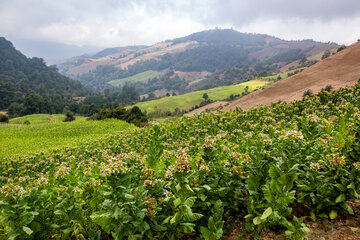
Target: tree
point(325, 55)
point(69, 116)
point(205, 96)
point(303, 60)
point(33, 103)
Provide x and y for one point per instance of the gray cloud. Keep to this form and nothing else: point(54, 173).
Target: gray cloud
point(107, 23)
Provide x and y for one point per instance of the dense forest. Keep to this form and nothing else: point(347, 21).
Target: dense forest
point(28, 86)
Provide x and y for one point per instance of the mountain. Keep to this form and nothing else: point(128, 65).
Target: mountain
point(199, 54)
point(51, 52)
point(338, 70)
point(23, 79)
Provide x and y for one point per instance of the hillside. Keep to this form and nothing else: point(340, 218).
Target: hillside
point(208, 51)
point(338, 70)
point(22, 77)
point(189, 100)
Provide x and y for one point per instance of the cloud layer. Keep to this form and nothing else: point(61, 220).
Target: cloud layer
point(109, 23)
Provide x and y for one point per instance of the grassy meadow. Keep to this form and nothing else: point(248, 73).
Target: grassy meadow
point(140, 77)
point(41, 135)
point(188, 100)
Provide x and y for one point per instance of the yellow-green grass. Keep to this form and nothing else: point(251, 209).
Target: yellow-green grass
point(43, 118)
point(188, 100)
point(20, 139)
point(140, 77)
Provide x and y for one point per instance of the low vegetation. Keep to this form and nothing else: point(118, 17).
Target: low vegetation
point(140, 77)
point(133, 115)
point(189, 100)
point(34, 133)
point(189, 177)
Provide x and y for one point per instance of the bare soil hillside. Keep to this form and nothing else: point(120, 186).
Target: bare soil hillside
point(339, 70)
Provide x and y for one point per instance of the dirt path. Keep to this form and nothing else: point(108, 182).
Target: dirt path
point(52, 120)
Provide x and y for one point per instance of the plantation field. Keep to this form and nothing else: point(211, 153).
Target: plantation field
point(140, 77)
point(41, 135)
point(185, 178)
point(188, 100)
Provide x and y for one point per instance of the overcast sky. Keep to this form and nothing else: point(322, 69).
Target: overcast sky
point(90, 25)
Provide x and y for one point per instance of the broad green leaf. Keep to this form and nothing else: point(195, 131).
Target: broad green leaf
point(340, 198)
point(34, 213)
point(202, 197)
point(190, 201)
point(333, 214)
point(274, 172)
point(340, 186)
point(207, 187)
point(59, 212)
point(177, 202)
point(128, 196)
point(167, 220)
point(27, 230)
point(266, 213)
point(178, 187)
point(117, 212)
point(187, 186)
point(351, 186)
point(347, 208)
point(174, 218)
point(257, 220)
point(187, 227)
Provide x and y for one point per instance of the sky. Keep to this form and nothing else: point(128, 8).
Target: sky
point(64, 28)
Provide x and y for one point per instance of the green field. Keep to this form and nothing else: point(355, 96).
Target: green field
point(140, 77)
point(41, 135)
point(188, 100)
point(202, 177)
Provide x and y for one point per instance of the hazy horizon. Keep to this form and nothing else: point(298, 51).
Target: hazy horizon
point(57, 30)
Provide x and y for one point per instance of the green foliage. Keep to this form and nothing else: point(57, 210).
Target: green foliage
point(342, 47)
point(18, 138)
point(133, 115)
point(4, 118)
point(189, 100)
point(69, 116)
point(308, 93)
point(325, 55)
point(30, 81)
point(185, 177)
point(214, 230)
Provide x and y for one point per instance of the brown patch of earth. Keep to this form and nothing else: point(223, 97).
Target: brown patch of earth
point(344, 227)
point(52, 120)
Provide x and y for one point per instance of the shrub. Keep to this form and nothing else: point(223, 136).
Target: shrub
point(26, 122)
point(328, 88)
point(4, 118)
point(342, 47)
point(308, 93)
point(69, 116)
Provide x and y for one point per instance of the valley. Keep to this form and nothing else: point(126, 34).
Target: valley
point(215, 135)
